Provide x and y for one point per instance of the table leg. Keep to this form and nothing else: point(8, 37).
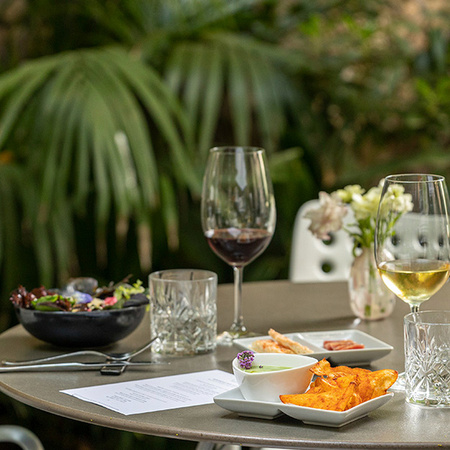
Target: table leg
point(212, 446)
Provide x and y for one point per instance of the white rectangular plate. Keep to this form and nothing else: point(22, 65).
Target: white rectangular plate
point(322, 417)
point(235, 402)
point(373, 348)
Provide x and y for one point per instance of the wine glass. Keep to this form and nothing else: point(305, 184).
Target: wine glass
point(412, 236)
point(412, 239)
point(238, 215)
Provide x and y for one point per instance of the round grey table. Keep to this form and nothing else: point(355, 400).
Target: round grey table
point(281, 305)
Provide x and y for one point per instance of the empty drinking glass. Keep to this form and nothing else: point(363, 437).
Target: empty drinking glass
point(427, 358)
point(183, 311)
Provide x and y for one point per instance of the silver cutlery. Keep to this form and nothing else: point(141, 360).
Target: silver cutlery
point(74, 366)
point(114, 357)
point(112, 369)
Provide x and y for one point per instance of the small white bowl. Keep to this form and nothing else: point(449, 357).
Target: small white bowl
point(268, 386)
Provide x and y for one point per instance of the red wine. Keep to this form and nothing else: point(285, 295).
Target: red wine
point(238, 246)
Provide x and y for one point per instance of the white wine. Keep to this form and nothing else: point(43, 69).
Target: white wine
point(414, 281)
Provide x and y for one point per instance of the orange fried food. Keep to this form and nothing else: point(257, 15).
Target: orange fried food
point(323, 368)
point(336, 398)
point(341, 388)
point(377, 383)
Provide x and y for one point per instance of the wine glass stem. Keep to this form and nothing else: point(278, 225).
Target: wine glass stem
point(238, 322)
point(414, 308)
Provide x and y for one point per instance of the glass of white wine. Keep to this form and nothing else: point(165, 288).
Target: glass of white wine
point(412, 239)
point(412, 246)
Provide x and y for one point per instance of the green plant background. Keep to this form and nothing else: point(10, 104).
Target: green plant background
point(108, 109)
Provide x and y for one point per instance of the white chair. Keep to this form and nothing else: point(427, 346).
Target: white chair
point(20, 436)
point(316, 260)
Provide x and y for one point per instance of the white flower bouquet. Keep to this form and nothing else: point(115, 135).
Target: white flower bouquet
point(364, 205)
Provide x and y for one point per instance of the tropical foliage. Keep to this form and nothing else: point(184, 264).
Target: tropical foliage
point(104, 130)
point(108, 110)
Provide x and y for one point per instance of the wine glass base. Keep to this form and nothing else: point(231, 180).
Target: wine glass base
point(227, 338)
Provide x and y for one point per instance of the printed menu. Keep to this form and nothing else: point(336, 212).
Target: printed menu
point(158, 394)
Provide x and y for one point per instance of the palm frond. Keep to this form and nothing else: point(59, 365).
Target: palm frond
point(165, 111)
point(62, 235)
point(19, 197)
point(241, 111)
point(182, 15)
point(240, 72)
point(82, 120)
point(15, 100)
point(10, 187)
point(213, 92)
point(170, 215)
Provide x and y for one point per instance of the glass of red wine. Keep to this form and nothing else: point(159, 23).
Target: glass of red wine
point(238, 215)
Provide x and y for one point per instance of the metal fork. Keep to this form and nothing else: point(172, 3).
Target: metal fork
point(108, 356)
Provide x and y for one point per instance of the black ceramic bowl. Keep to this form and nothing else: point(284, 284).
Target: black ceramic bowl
point(81, 329)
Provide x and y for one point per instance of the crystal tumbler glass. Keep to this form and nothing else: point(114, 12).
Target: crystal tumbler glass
point(427, 358)
point(183, 311)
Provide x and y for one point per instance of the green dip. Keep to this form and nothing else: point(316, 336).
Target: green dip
point(266, 369)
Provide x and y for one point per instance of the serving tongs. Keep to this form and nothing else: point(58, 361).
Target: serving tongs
point(119, 366)
point(109, 357)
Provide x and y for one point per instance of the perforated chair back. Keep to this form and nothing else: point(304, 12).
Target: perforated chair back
point(314, 260)
point(424, 234)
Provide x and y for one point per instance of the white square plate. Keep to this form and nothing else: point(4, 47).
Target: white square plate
point(373, 348)
point(234, 401)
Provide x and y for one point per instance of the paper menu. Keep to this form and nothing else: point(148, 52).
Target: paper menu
point(158, 394)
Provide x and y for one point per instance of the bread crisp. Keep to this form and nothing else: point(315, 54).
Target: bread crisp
point(283, 340)
point(269, 346)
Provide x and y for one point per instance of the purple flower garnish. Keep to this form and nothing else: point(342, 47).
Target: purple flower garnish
point(82, 297)
point(245, 359)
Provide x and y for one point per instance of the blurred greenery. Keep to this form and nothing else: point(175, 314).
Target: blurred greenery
point(108, 109)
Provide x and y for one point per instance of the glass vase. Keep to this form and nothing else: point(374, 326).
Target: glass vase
point(370, 299)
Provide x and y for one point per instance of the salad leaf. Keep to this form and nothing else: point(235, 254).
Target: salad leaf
point(53, 303)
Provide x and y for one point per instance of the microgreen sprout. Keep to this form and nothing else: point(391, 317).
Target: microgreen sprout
point(245, 359)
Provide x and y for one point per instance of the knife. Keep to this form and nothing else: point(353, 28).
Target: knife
point(75, 366)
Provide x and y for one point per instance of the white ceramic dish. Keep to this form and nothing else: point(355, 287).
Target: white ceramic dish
point(266, 386)
point(313, 416)
point(373, 348)
point(234, 401)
